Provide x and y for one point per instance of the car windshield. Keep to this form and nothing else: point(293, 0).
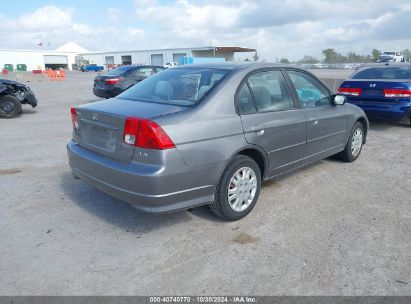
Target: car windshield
point(182, 87)
point(384, 73)
point(118, 71)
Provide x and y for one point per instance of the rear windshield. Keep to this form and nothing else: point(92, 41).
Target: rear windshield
point(384, 73)
point(118, 71)
point(182, 87)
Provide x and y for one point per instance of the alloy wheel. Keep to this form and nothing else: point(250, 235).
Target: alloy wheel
point(242, 189)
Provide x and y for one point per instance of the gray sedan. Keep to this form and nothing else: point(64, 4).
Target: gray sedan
point(211, 134)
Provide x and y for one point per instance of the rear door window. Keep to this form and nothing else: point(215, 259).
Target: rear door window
point(270, 91)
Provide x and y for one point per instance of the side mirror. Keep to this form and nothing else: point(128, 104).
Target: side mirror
point(339, 100)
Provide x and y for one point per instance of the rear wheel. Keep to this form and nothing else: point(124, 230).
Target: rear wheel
point(354, 145)
point(10, 106)
point(238, 189)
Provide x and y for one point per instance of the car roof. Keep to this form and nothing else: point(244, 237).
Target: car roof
point(235, 65)
point(133, 66)
point(386, 65)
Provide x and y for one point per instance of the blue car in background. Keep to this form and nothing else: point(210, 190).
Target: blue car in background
point(381, 90)
point(91, 67)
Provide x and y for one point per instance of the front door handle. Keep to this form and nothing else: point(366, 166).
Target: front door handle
point(314, 121)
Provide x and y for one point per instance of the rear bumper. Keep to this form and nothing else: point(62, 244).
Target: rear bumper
point(107, 93)
point(387, 110)
point(146, 187)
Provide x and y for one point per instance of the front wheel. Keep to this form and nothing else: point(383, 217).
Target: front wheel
point(10, 106)
point(354, 145)
point(238, 189)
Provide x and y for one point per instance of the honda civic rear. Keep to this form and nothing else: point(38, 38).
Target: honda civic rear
point(121, 147)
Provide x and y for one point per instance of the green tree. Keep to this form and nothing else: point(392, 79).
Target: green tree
point(331, 56)
point(284, 60)
point(352, 57)
point(375, 54)
point(309, 60)
point(407, 55)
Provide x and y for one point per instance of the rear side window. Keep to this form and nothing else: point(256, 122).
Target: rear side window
point(245, 100)
point(270, 91)
point(142, 72)
point(118, 71)
point(384, 73)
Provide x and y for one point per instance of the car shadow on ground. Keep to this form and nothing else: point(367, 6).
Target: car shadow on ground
point(28, 111)
point(122, 214)
point(382, 125)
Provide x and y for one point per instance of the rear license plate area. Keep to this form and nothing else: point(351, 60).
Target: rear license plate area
point(372, 93)
point(100, 137)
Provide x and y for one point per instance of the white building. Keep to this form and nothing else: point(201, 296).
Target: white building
point(63, 57)
point(71, 54)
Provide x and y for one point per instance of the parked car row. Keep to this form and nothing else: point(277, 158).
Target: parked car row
point(210, 134)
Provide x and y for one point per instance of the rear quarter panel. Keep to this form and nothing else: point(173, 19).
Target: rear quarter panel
point(208, 135)
point(354, 114)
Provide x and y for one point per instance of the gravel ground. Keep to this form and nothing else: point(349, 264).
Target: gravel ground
point(330, 229)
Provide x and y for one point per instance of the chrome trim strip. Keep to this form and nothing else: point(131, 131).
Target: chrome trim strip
point(328, 135)
point(296, 161)
point(291, 146)
point(137, 193)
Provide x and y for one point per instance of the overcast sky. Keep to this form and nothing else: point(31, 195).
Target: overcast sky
point(277, 28)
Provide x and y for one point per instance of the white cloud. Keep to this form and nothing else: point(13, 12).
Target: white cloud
point(278, 28)
point(47, 18)
point(136, 32)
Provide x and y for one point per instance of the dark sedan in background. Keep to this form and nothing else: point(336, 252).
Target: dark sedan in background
point(381, 90)
point(122, 78)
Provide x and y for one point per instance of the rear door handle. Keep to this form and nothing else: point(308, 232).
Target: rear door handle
point(259, 130)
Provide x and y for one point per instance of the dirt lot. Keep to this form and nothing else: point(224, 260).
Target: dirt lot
point(331, 229)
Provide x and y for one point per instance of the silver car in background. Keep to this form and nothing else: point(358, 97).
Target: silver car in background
point(210, 134)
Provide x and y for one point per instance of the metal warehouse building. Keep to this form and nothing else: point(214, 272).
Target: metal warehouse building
point(71, 54)
point(162, 56)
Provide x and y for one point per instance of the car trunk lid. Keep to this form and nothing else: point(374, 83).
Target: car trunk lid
point(373, 90)
point(103, 81)
point(101, 124)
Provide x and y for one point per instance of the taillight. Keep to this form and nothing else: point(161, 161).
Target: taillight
point(131, 128)
point(74, 118)
point(397, 93)
point(147, 134)
point(350, 91)
point(112, 81)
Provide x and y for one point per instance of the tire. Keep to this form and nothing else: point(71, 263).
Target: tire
point(10, 106)
point(249, 191)
point(350, 152)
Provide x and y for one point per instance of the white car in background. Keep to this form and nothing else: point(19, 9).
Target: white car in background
point(391, 57)
point(170, 64)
